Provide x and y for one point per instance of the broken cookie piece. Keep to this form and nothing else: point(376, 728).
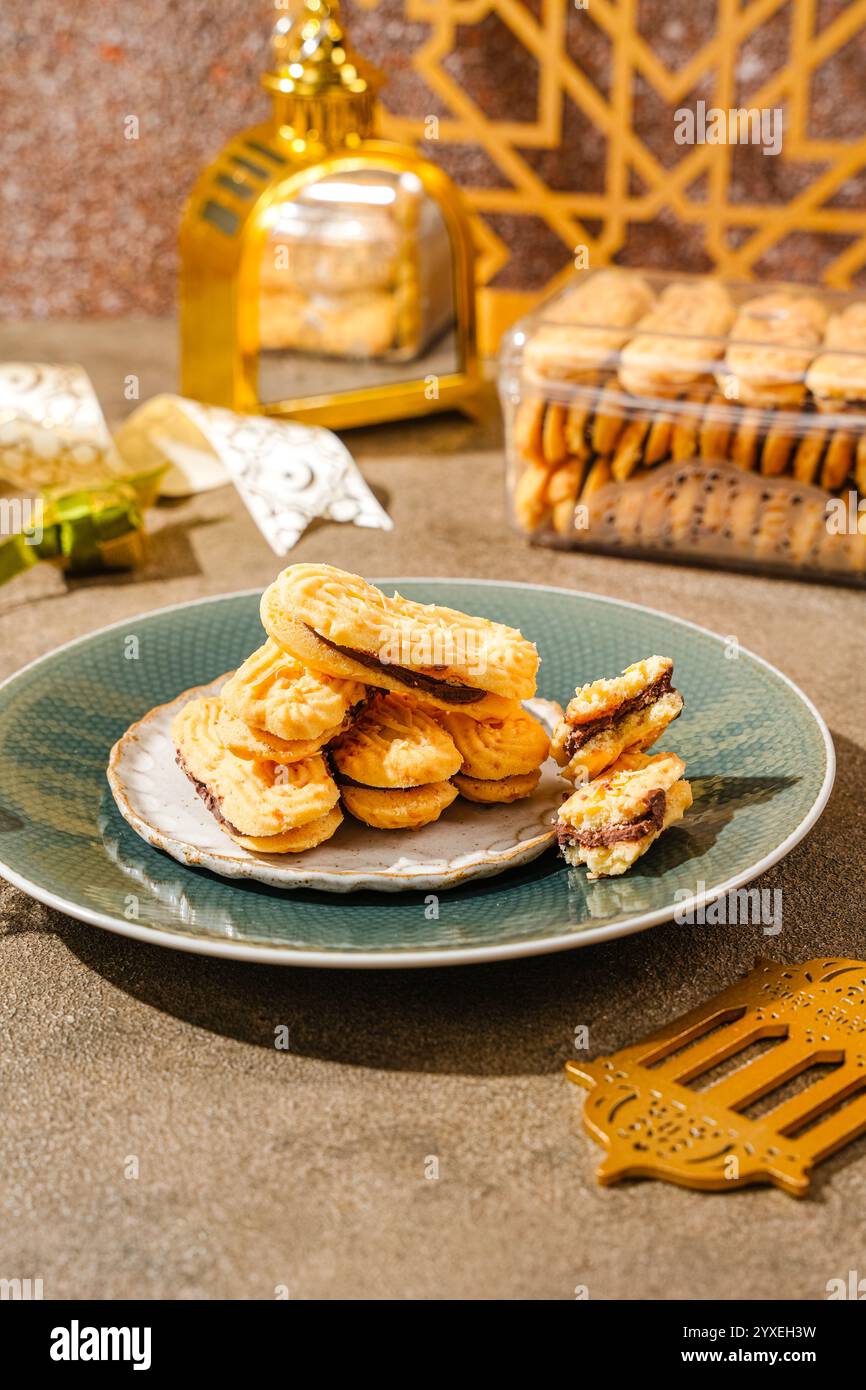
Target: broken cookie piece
point(608, 717)
point(611, 821)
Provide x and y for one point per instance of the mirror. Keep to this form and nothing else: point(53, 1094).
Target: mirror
point(356, 287)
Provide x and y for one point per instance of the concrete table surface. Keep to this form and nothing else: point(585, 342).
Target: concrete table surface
point(309, 1169)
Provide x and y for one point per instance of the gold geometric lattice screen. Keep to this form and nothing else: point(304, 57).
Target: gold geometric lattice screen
point(558, 122)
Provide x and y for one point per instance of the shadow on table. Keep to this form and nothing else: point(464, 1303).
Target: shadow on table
point(514, 1017)
point(170, 553)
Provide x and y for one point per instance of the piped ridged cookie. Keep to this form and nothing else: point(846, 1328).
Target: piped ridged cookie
point(773, 341)
point(497, 748)
point(837, 378)
point(676, 343)
point(248, 796)
point(275, 692)
point(394, 742)
point(497, 790)
point(336, 623)
point(584, 328)
point(409, 809)
point(245, 741)
point(315, 832)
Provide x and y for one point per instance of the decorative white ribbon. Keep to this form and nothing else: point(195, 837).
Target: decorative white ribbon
point(287, 473)
point(53, 433)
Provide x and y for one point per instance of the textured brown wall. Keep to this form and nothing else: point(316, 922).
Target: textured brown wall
point(88, 218)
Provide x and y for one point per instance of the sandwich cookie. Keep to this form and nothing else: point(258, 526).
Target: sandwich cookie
point(611, 821)
point(773, 341)
point(607, 717)
point(837, 378)
point(339, 625)
point(394, 763)
point(501, 758)
point(677, 342)
point(586, 326)
point(254, 799)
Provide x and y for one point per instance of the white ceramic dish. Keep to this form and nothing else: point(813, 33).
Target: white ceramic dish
point(469, 841)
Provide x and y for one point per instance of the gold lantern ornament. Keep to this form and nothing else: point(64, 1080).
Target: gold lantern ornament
point(326, 275)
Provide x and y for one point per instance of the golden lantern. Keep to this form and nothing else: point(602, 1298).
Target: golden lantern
point(326, 275)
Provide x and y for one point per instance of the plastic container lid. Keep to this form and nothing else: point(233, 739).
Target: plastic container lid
point(681, 344)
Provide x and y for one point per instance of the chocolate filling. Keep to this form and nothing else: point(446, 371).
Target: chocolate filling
point(416, 680)
point(602, 836)
point(584, 732)
point(343, 781)
point(211, 801)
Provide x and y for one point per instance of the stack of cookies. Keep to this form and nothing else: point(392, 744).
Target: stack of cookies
point(264, 798)
point(328, 280)
point(394, 764)
point(438, 672)
point(726, 369)
point(254, 753)
point(383, 707)
point(624, 798)
point(391, 709)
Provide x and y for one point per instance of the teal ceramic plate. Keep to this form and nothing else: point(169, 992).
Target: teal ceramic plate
point(758, 755)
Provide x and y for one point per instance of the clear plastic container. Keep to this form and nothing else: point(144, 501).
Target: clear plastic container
point(685, 417)
point(358, 265)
